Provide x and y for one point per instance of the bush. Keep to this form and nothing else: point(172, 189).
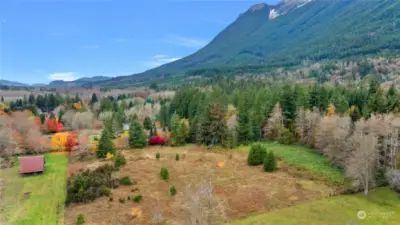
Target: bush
point(177, 157)
point(134, 189)
point(287, 137)
point(164, 174)
point(256, 155)
point(393, 178)
point(125, 181)
point(137, 198)
point(156, 140)
point(80, 219)
point(158, 156)
point(119, 160)
point(172, 190)
point(121, 200)
point(111, 199)
point(89, 185)
point(270, 163)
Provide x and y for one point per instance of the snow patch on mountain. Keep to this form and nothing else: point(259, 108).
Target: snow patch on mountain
point(286, 6)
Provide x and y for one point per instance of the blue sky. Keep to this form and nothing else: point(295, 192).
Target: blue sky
point(43, 40)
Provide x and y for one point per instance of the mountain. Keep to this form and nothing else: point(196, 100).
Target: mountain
point(12, 83)
point(291, 32)
point(79, 82)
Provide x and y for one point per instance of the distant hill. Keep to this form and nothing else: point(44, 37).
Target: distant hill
point(79, 82)
point(291, 32)
point(12, 83)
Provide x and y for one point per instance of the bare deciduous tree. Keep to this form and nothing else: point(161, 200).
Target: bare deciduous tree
point(361, 164)
point(82, 120)
point(306, 126)
point(272, 129)
point(201, 205)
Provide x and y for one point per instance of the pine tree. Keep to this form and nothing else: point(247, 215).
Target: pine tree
point(392, 99)
point(105, 144)
point(77, 98)
point(2, 99)
point(176, 135)
point(147, 124)
point(213, 127)
point(137, 137)
point(244, 127)
point(288, 105)
point(130, 104)
point(94, 99)
point(270, 163)
point(31, 99)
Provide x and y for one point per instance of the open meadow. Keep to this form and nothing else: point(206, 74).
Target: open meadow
point(37, 199)
point(241, 190)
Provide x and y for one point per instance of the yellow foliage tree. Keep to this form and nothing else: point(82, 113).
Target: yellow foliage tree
point(59, 140)
point(77, 105)
point(331, 110)
point(109, 156)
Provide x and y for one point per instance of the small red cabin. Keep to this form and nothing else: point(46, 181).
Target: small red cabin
point(31, 164)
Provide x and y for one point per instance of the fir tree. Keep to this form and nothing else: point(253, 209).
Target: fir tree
point(270, 163)
point(2, 99)
point(147, 124)
point(244, 127)
point(130, 104)
point(94, 99)
point(137, 137)
point(105, 144)
point(392, 99)
point(177, 137)
point(213, 126)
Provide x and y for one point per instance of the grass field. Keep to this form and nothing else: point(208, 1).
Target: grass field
point(36, 200)
point(382, 207)
point(303, 158)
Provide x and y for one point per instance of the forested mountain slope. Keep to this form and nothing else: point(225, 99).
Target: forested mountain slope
point(294, 31)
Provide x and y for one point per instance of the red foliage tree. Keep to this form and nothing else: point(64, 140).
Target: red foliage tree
point(156, 140)
point(52, 124)
point(71, 143)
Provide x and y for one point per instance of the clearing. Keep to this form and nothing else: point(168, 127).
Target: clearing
point(37, 199)
point(244, 190)
point(302, 159)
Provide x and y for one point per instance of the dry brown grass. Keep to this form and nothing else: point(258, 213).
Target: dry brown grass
point(242, 190)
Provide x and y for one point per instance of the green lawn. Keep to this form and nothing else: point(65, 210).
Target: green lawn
point(382, 207)
point(45, 203)
point(303, 158)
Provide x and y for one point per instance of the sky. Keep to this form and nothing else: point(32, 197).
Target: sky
point(45, 40)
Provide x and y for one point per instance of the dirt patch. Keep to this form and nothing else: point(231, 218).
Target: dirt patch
point(243, 189)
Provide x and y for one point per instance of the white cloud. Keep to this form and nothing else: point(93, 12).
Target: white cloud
point(65, 76)
point(187, 42)
point(160, 59)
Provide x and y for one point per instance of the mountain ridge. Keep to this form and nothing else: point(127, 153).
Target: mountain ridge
point(312, 30)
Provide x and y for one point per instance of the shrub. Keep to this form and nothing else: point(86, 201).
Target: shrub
point(156, 140)
point(80, 219)
point(119, 161)
point(121, 200)
point(111, 199)
point(137, 198)
point(172, 190)
point(270, 163)
point(158, 156)
point(164, 174)
point(125, 181)
point(286, 137)
point(88, 185)
point(177, 157)
point(393, 178)
point(134, 189)
point(256, 155)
